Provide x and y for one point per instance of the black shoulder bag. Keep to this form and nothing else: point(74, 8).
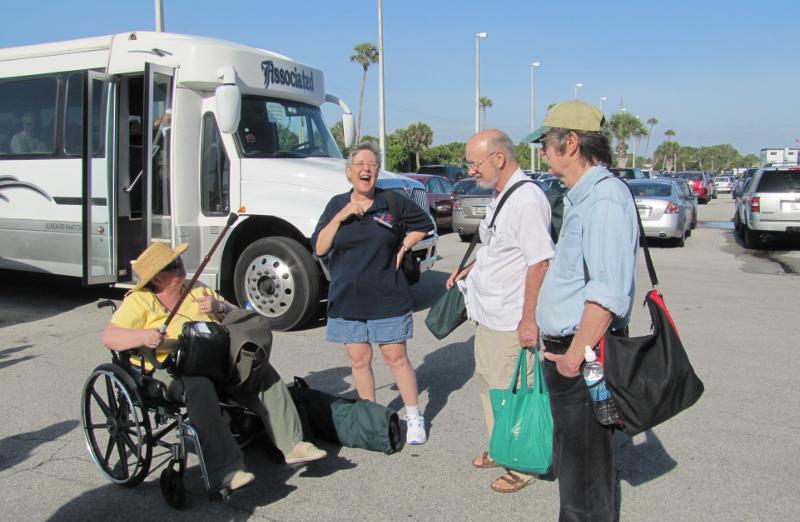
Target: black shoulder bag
point(650, 377)
point(450, 311)
point(410, 263)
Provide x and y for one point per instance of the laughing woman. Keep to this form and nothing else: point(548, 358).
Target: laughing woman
point(369, 301)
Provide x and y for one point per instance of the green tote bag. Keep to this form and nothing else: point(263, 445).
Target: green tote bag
point(522, 438)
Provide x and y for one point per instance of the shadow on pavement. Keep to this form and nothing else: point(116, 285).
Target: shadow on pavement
point(644, 461)
point(17, 448)
point(6, 353)
point(429, 289)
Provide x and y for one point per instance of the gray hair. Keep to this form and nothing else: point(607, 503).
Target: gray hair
point(502, 143)
point(365, 145)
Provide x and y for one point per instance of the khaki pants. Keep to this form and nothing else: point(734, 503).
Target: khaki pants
point(496, 355)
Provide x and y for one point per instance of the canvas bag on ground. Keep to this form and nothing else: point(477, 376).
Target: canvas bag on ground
point(522, 437)
point(450, 310)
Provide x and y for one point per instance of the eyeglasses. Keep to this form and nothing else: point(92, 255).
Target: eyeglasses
point(475, 165)
point(174, 265)
point(362, 165)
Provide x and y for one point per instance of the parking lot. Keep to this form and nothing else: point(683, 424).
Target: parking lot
point(730, 457)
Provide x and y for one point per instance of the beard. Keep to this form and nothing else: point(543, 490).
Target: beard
point(488, 184)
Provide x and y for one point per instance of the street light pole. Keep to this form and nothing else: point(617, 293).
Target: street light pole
point(478, 37)
point(381, 101)
point(534, 65)
point(602, 99)
point(577, 86)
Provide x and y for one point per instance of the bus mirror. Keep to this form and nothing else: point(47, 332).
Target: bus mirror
point(229, 100)
point(349, 130)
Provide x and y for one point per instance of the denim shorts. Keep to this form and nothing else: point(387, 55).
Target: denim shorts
point(374, 331)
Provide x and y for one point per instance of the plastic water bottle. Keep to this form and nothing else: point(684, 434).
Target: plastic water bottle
point(602, 403)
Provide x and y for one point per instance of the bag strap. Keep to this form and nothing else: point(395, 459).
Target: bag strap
point(476, 236)
point(520, 372)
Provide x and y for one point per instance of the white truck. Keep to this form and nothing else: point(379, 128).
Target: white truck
point(110, 143)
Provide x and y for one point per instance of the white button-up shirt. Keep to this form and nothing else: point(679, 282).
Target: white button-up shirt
point(520, 237)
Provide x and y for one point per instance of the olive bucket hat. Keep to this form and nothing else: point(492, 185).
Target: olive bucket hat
point(572, 115)
point(153, 260)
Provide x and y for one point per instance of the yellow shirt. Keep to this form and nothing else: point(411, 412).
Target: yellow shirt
point(141, 310)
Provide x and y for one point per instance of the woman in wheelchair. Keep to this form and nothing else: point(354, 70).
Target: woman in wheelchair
point(135, 325)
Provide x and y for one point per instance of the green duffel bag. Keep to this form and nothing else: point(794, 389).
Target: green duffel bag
point(367, 425)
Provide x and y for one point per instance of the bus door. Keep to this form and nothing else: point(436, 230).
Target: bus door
point(99, 178)
point(157, 123)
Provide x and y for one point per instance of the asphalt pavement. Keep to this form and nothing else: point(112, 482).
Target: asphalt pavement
point(733, 456)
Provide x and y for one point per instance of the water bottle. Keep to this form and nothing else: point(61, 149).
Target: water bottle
point(602, 403)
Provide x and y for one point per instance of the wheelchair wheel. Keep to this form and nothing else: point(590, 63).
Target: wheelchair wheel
point(116, 426)
point(172, 488)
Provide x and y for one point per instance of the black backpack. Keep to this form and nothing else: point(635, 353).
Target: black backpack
point(555, 196)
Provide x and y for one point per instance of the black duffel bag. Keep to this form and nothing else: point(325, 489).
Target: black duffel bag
point(203, 350)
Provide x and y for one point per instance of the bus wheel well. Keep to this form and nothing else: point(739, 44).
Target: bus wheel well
point(251, 229)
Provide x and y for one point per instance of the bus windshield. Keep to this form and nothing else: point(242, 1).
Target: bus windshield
point(275, 128)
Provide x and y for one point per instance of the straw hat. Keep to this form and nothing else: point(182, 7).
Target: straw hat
point(153, 260)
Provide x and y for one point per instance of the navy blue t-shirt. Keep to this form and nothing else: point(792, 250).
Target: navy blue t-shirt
point(364, 281)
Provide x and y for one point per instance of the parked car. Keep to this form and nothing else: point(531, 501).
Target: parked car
point(440, 197)
point(689, 195)
point(453, 173)
point(469, 207)
point(741, 182)
point(664, 209)
point(701, 184)
point(723, 183)
point(769, 207)
point(628, 173)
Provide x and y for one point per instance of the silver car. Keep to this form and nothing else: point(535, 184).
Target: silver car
point(469, 207)
point(769, 206)
point(666, 213)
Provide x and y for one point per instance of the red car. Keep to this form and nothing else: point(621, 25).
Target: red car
point(701, 185)
point(440, 197)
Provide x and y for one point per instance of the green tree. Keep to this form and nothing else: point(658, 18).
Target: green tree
point(337, 131)
point(484, 103)
point(669, 133)
point(652, 122)
point(365, 54)
point(452, 153)
point(397, 156)
point(622, 126)
point(417, 138)
point(665, 155)
point(522, 151)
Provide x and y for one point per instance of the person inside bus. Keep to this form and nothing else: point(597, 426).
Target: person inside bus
point(135, 325)
point(25, 141)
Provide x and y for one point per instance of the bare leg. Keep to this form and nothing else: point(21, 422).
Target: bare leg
point(361, 363)
point(396, 358)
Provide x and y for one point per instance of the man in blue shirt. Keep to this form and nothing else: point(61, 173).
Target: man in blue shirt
point(587, 291)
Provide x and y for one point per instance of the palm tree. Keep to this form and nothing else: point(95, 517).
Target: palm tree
point(485, 103)
point(417, 138)
point(669, 133)
point(624, 125)
point(652, 122)
point(365, 54)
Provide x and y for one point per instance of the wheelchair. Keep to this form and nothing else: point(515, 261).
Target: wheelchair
point(132, 429)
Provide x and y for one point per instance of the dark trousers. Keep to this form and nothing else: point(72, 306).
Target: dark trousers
point(583, 456)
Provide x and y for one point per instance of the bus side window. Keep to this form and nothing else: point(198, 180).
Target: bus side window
point(215, 171)
point(27, 116)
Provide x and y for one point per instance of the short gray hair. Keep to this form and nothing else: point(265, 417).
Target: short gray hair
point(501, 142)
point(365, 145)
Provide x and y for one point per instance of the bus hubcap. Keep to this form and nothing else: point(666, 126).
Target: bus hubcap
point(269, 285)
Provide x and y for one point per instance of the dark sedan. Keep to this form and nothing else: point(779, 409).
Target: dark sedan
point(440, 197)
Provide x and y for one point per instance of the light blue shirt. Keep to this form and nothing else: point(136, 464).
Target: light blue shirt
point(600, 226)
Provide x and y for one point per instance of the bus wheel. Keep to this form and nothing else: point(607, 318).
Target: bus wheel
point(278, 277)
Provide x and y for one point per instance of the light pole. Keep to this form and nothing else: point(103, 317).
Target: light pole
point(602, 99)
point(534, 65)
point(478, 37)
point(577, 86)
point(381, 100)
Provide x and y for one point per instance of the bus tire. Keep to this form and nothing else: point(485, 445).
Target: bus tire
point(278, 277)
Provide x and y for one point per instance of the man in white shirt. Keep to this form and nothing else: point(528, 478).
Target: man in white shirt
point(502, 285)
point(25, 140)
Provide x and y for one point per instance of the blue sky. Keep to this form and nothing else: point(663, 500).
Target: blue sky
point(714, 71)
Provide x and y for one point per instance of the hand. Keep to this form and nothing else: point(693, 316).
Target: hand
point(528, 333)
point(455, 276)
point(351, 209)
point(567, 364)
point(208, 305)
point(152, 338)
point(399, 257)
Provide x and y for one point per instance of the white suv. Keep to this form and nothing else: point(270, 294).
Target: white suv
point(769, 208)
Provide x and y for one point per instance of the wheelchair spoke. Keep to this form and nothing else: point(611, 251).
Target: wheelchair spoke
point(111, 395)
point(101, 403)
point(96, 426)
point(129, 442)
point(123, 457)
point(109, 449)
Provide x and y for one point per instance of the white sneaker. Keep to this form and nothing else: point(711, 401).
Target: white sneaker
point(416, 430)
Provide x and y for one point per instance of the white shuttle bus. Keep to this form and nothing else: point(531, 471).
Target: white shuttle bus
point(109, 143)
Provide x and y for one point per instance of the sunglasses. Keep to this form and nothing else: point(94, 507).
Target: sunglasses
point(174, 265)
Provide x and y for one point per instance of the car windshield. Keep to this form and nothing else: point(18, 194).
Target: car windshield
point(624, 173)
point(650, 190)
point(471, 188)
point(780, 181)
point(275, 128)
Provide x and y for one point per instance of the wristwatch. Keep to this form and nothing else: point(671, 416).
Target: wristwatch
point(406, 248)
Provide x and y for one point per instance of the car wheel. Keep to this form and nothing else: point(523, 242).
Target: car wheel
point(278, 277)
point(751, 238)
point(465, 237)
point(680, 242)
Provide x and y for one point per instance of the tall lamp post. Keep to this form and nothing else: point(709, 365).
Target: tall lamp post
point(577, 86)
point(534, 65)
point(478, 37)
point(381, 100)
point(602, 99)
